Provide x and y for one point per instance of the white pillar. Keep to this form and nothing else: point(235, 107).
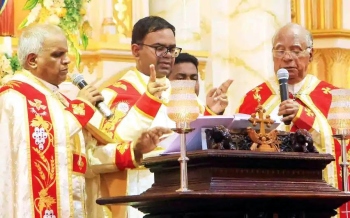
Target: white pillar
point(241, 42)
point(185, 16)
point(6, 47)
point(108, 25)
point(140, 9)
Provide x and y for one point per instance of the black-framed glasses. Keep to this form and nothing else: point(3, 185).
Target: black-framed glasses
point(293, 53)
point(162, 50)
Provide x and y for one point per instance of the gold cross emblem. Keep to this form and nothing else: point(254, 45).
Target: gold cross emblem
point(120, 85)
point(326, 90)
point(256, 94)
point(309, 112)
point(122, 147)
point(79, 109)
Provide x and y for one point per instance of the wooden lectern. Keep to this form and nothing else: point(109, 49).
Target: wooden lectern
point(253, 180)
point(240, 184)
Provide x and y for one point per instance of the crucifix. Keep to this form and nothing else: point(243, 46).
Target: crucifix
point(262, 141)
point(260, 119)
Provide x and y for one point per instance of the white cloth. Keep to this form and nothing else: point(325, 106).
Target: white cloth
point(15, 185)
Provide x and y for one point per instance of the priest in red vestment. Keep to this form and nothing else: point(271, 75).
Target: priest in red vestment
point(45, 159)
point(309, 98)
point(139, 98)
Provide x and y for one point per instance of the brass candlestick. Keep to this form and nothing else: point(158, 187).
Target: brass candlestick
point(183, 109)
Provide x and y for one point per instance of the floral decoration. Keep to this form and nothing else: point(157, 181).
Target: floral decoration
point(8, 66)
point(68, 14)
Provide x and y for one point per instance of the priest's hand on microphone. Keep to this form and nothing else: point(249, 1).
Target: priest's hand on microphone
point(290, 108)
point(90, 94)
point(148, 141)
point(153, 87)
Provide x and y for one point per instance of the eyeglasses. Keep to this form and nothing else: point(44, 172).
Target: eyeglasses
point(162, 50)
point(293, 53)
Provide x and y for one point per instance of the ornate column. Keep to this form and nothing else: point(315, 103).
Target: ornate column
point(329, 23)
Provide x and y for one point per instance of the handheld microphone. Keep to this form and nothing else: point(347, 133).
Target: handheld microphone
point(78, 80)
point(283, 75)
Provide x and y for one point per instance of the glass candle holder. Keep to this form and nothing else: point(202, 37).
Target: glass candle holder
point(183, 104)
point(339, 120)
point(183, 108)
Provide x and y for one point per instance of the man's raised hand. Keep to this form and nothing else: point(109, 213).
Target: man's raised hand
point(153, 87)
point(217, 99)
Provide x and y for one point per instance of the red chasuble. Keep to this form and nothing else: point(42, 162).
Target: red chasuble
point(315, 100)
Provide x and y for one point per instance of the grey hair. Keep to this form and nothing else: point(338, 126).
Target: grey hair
point(308, 36)
point(32, 38)
point(309, 39)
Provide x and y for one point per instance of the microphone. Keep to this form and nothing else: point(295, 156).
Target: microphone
point(283, 75)
point(78, 80)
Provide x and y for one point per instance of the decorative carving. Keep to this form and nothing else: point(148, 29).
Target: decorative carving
point(239, 184)
point(293, 10)
point(122, 14)
point(331, 64)
point(89, 61)
point(302, 141)
point(221, 138)
point(262, 141)
point(201, 70)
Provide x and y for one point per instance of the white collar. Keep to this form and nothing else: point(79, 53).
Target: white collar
point(295, 88)
point(51, 87)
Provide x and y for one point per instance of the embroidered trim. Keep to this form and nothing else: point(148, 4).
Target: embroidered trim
point(42, 152)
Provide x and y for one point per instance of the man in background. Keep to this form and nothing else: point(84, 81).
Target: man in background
point(309, 98)
point(185, 68)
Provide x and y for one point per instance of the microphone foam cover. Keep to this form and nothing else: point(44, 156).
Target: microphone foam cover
point(76, 78)
point(282, 74)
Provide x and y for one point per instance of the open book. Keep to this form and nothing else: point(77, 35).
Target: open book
point(196, 140)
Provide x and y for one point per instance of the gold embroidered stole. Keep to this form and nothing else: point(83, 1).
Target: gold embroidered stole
point(325, 131)
point(41, 150)
point(125, 96)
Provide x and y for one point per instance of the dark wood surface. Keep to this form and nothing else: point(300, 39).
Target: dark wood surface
point(229, 183)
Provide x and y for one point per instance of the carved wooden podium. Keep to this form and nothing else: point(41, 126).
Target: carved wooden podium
point(253, 182)
point(240, 184)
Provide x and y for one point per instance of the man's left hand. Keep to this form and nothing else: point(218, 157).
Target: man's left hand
point(290, 108)
point(217, 99)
